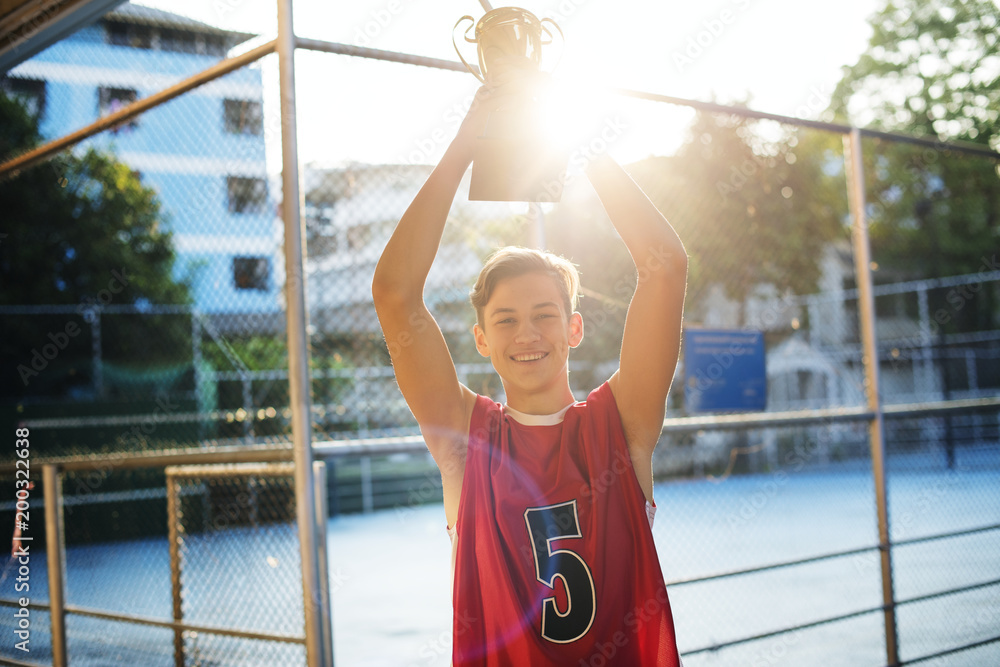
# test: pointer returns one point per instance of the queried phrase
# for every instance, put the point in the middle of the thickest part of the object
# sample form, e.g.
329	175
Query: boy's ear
575	329
481	345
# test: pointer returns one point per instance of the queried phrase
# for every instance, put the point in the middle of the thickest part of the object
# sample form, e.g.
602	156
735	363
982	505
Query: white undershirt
531	420
536	420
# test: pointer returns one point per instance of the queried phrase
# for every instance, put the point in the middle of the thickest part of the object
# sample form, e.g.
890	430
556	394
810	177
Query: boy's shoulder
490	413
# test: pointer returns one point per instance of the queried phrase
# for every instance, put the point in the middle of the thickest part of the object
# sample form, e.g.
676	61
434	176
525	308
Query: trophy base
511	170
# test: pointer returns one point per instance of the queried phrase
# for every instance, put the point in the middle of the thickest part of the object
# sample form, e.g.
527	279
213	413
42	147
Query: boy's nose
526	333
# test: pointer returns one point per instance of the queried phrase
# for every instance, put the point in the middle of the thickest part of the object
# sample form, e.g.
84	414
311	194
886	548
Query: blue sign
724	370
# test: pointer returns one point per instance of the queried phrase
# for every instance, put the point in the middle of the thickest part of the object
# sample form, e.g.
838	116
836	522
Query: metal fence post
95	350
298	343
199	375
322	516
248	419
866	313
173	532
367	496
56	555
536	216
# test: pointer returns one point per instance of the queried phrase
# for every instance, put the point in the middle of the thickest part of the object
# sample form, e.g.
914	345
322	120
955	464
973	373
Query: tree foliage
751	203
74	219
82	230
931	69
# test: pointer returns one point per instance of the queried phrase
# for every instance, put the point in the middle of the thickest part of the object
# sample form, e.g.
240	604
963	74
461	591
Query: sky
784	56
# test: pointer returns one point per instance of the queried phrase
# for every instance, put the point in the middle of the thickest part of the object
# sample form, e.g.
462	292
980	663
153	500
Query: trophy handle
561	35
471	41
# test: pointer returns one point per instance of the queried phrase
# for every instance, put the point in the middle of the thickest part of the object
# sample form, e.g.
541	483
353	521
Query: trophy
513	160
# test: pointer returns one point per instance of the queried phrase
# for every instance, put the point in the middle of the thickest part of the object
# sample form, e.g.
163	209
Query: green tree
81	229
931	69
749	209
754	204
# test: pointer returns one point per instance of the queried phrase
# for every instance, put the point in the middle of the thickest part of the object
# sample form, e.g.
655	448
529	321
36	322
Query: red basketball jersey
554	557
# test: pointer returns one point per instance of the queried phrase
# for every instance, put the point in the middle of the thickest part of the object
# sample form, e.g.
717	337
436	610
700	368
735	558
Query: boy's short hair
514	261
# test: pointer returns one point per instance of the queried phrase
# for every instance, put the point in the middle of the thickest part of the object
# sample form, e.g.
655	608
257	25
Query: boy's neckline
536	420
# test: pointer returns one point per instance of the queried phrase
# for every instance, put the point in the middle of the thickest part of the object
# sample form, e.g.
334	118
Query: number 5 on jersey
558	522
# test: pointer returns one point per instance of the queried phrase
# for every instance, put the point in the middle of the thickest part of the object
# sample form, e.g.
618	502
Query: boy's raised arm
421	361
651	340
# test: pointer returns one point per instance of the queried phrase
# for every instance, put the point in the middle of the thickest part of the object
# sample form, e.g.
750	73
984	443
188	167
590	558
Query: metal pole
298	344
174	546
926	361
367	500
322	516
248	430
866	313
537	219
56	553
199	375
95	348
45	151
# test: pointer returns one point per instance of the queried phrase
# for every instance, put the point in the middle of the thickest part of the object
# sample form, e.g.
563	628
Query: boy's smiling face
527	334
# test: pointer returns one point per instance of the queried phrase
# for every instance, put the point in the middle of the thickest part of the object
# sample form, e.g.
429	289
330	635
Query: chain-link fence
215	513
155	322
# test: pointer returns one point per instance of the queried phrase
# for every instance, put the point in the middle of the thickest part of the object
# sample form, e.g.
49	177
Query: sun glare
566	114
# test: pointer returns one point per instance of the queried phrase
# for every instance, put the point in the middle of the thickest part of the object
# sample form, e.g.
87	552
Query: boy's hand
511	82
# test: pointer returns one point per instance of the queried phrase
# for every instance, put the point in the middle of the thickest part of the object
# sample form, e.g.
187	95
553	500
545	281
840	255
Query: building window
29	93
243	116
180	41
215	45
251	272
126	34
246	195
110	100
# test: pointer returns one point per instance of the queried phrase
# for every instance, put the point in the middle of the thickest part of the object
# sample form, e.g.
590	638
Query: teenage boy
549	501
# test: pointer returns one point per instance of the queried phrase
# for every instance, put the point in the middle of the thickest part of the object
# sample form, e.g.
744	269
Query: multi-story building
351	212
202	152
